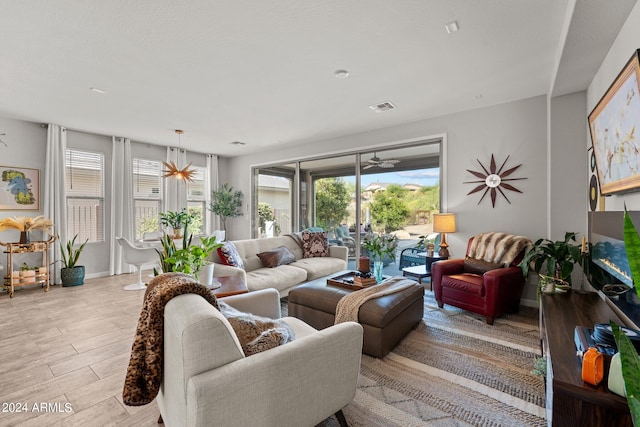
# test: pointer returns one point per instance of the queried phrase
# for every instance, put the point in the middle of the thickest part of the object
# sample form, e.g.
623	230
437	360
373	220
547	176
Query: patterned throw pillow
229	255
279	256
314	244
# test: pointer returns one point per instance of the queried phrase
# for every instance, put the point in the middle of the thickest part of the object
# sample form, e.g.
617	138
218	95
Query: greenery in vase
226	203
69	254
380	245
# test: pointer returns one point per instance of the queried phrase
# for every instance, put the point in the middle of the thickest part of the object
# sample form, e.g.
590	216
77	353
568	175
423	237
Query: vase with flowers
380	246
25	225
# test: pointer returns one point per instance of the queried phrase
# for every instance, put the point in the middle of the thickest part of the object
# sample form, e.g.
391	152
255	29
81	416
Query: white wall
27	144
568	170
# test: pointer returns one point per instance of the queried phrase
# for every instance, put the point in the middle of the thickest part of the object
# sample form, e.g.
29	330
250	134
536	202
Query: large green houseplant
226	203
71	274
557	257
628	355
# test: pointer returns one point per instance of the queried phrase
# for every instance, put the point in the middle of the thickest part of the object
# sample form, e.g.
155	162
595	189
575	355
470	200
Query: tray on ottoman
350	280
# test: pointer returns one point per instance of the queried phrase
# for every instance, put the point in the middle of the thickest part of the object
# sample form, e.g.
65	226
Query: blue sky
420	176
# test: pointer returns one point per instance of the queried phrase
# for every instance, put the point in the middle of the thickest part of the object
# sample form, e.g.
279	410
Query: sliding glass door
392	190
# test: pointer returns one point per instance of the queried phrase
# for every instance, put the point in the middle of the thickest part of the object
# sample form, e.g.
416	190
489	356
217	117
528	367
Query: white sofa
283	277
208	381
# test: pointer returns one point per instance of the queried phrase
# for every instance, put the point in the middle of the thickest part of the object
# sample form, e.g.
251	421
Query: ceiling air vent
385	106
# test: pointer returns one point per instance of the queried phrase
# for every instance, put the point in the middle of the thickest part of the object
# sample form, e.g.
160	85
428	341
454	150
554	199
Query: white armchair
208	381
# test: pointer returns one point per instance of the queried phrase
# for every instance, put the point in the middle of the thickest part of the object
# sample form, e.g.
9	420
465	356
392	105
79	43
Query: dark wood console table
570	401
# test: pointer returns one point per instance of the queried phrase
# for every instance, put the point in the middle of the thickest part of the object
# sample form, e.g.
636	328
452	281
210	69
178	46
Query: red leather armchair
462	283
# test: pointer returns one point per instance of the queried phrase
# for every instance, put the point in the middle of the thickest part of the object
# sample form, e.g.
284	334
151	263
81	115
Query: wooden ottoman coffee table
386	320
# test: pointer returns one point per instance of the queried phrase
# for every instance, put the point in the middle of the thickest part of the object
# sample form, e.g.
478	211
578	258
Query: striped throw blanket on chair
501	248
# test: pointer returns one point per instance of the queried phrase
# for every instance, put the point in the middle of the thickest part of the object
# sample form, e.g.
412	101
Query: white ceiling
262	71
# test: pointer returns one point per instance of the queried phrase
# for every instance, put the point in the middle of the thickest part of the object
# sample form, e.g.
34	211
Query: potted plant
190	259
629	359
71	274
177	220
226	203
380	246
557	257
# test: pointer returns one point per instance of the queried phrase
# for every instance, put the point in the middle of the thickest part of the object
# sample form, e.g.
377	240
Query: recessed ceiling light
341	74
238	143
452	27
95	89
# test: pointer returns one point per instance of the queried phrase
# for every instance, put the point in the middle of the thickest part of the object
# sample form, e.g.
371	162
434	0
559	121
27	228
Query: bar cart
14	278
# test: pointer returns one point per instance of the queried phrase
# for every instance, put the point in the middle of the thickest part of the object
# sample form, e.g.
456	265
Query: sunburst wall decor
493	181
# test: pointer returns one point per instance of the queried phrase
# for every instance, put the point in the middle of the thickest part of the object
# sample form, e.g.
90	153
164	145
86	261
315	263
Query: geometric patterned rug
454	370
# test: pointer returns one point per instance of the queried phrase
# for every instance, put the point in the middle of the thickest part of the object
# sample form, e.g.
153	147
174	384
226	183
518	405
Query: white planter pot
205	276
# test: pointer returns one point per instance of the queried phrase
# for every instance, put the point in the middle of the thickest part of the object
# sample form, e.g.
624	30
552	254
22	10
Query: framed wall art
613	124
19	188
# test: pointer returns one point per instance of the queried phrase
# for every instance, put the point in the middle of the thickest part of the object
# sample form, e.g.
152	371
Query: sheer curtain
175	190
55	198
211	183
122	215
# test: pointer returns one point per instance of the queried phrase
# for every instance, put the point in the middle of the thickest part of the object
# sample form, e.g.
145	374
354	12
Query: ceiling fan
376	161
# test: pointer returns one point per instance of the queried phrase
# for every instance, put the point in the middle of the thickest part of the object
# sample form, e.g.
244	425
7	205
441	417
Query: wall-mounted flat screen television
613	125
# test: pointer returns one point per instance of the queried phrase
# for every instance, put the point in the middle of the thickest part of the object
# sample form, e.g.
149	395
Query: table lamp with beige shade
444	223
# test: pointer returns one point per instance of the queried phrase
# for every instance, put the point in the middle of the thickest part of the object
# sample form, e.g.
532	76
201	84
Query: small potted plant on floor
557	257
71	274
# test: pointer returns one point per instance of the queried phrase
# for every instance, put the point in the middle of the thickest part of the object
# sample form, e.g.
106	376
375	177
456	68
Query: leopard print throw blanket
501	248
349	305
144	374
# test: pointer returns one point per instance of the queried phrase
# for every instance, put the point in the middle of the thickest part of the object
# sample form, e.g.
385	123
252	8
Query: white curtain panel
211	182
55	203
122	216
175	190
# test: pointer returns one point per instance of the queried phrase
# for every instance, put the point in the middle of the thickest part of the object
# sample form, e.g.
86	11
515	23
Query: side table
231	285
422	271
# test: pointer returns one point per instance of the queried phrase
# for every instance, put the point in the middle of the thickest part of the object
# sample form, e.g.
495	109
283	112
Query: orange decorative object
592	366
173	170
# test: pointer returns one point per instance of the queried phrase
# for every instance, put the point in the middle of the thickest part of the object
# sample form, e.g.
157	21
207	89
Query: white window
196	200
85	195
147	195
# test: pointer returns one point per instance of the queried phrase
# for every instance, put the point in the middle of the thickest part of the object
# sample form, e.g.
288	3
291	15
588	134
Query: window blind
85	195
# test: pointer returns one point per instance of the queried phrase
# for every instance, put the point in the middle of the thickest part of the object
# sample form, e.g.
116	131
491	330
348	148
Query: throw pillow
279	256
229	255
479	266
314	244
256	333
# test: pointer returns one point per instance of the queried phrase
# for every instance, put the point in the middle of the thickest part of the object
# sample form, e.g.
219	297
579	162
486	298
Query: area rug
454	370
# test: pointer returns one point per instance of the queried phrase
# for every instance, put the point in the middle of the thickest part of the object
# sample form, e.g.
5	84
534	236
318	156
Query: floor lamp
444	223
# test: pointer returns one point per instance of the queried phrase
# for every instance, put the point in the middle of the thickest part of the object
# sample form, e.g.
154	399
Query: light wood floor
68	350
